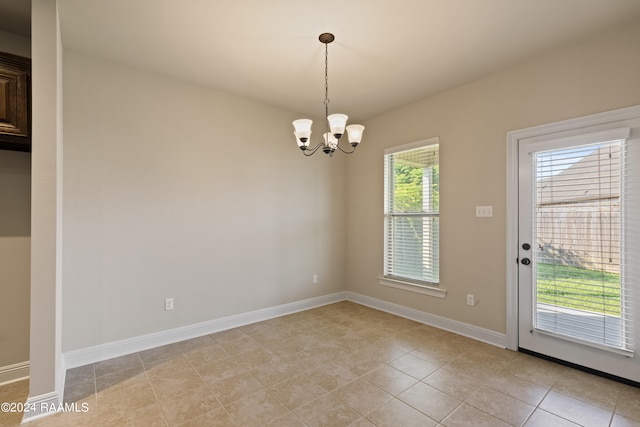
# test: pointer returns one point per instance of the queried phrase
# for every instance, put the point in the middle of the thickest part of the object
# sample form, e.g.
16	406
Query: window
411	213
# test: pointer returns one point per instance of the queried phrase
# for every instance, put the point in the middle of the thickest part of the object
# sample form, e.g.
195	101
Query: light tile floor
338	365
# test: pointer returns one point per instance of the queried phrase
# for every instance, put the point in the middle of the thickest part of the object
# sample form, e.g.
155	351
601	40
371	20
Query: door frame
577	125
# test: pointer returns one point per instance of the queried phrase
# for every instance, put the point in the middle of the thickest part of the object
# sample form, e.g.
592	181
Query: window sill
432	291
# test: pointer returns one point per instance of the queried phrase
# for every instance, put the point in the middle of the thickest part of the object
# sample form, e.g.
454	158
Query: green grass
579	288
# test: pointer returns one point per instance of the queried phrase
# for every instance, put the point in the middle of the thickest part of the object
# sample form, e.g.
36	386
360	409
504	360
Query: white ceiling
387	53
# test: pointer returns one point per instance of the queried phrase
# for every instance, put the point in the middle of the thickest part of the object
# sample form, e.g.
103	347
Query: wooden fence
580	234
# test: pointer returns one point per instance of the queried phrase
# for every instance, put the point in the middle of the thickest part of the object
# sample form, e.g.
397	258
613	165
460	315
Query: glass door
576	205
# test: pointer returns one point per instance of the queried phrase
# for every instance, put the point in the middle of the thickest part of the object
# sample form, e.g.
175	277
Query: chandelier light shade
335	124
303	132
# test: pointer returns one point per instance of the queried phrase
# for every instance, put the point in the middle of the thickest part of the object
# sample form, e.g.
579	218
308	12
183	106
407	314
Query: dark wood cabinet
15	102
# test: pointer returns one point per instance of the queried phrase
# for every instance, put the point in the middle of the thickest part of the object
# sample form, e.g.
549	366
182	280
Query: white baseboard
81	357
41	406
471	331
13	373
85	356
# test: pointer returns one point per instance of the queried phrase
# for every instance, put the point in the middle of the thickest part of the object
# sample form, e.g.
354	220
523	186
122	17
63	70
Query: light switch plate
484	211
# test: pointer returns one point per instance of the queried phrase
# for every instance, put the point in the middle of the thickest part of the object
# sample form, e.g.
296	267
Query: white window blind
581	287
412	224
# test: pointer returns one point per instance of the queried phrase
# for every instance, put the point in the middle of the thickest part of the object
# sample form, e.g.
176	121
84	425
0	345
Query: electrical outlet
315	279
471	299
168	304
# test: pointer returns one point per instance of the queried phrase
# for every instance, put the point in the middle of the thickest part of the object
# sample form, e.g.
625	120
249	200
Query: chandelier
335	124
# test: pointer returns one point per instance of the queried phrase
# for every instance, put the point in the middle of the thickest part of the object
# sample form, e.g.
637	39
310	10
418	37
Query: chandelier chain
326	73
326	86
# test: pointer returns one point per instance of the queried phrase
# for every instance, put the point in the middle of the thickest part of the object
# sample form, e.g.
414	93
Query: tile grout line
146	373
207	384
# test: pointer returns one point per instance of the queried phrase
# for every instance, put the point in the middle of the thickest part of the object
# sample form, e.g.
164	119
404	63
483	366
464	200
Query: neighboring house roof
592	178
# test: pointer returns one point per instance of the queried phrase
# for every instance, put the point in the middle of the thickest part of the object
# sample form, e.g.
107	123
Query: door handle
525	261
526	246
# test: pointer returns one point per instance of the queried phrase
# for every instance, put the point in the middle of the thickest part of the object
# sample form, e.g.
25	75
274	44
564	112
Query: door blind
580	287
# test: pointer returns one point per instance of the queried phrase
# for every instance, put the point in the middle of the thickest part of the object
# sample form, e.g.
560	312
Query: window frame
405	283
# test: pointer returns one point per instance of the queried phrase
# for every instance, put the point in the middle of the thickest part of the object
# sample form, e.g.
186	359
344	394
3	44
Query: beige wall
176	190
15	44
472	122
15	231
